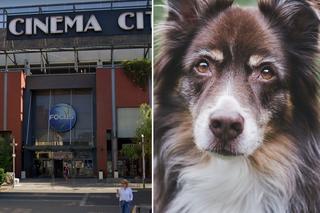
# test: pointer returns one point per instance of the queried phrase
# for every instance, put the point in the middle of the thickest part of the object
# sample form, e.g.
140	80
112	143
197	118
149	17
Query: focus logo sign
62	117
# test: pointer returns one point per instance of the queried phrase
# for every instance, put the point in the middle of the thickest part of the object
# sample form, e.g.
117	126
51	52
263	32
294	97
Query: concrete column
150	90
5	100
114	154
114	116
5	95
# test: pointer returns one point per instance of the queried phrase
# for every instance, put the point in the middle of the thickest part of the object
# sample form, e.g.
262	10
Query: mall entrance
61	129
50	164
58	168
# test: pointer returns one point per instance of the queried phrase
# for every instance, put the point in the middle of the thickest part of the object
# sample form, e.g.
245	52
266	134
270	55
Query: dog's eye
267	73
202	67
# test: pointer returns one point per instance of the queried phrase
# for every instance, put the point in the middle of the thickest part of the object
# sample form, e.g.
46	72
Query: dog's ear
190	11
315	3
316	6
297	24
184	16
295	20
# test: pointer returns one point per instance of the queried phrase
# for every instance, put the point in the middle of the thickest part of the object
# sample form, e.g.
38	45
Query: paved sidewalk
86	185
5	188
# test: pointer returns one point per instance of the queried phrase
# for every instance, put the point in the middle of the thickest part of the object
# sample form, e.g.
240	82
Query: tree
145	128
2	176
139	71
133	151
5	153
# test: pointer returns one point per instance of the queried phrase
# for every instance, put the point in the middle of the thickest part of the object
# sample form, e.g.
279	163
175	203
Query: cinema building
64	96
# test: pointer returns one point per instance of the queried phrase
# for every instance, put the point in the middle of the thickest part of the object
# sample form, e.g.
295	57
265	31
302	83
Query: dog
236	123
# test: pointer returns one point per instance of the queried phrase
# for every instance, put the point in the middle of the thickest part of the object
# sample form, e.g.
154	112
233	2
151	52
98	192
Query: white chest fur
228	185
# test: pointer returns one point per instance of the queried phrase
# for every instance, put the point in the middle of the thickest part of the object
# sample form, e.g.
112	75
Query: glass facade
127	123
56	149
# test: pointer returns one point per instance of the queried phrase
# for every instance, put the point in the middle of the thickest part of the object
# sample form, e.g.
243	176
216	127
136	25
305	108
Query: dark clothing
66	172
125	206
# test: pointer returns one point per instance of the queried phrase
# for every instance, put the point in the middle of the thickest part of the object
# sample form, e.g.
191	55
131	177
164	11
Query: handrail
78	3
74	7
89	66
138	208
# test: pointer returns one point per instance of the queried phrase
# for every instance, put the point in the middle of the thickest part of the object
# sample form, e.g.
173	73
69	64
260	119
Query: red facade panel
127	94
16	84
1	100
104	115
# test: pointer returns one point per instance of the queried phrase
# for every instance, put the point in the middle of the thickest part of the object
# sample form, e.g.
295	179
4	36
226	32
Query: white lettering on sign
31	26
122	21
42	26
54	20
69	23
28	26
139	20
13	26
59	24
60	117
93	24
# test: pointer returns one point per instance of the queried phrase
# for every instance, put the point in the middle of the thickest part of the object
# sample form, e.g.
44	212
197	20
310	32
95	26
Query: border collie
236	108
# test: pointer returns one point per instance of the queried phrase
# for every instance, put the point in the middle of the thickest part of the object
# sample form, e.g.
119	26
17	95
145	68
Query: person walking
66	172
125	196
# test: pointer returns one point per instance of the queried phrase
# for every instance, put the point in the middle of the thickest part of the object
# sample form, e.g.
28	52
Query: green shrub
138	71
2	176
5	153
9	178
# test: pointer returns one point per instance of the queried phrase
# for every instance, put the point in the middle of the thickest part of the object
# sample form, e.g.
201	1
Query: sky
11	3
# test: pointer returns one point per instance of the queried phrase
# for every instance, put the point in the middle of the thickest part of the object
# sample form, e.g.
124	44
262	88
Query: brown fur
288	30
277	149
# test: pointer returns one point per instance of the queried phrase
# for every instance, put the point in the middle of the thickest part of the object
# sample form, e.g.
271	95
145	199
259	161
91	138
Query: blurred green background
159	12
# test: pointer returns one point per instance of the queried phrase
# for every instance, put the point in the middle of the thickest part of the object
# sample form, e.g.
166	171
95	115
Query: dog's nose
226	125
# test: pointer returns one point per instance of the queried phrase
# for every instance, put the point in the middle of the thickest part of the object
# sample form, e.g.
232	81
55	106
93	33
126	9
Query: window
127	122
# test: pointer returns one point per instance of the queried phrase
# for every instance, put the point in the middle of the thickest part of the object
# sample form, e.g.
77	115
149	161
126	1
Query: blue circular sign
62	117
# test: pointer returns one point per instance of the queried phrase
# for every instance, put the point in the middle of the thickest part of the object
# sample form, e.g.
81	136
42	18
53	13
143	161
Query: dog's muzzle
226	127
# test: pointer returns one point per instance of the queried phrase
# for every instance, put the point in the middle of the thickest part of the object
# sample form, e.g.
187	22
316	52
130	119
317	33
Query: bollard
100	175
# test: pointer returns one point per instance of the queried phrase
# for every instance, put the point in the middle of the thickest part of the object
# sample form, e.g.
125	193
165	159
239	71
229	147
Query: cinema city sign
114	22
32	25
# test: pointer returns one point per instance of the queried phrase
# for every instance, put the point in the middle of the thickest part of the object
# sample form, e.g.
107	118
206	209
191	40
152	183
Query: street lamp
13	144
143	162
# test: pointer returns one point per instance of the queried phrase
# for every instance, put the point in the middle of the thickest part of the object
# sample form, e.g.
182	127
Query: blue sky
12	3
